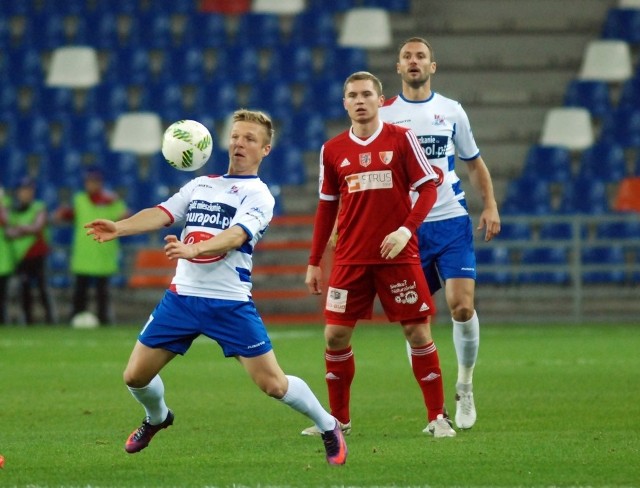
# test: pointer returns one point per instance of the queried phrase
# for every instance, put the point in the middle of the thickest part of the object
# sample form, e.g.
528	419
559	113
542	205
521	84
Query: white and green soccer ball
187	145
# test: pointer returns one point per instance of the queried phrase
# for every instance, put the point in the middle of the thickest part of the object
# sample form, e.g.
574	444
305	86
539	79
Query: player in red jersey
366	173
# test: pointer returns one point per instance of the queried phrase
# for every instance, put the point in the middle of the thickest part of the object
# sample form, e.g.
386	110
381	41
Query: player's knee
462	312
134	381
274	388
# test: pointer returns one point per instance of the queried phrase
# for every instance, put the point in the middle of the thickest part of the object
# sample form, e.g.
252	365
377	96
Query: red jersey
372	179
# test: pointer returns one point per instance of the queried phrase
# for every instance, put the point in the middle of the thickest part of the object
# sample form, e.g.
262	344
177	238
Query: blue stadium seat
622	23
340	62
204	30
100	29
284	166
291	63
526	195
65	7
618	230
604	255
55	102
217	99
515	231
30	132
622	126
333	6
391	5
548	163
43	31
275	98
240	64
306	130
8	98
604	161
184	65
313	27
561	231
325	95
108	100
129	65
12	166
26	61
85	133
259	30
175	6
151	29
164	98
630	93
547	262
594	95
584	196
492	256
58	264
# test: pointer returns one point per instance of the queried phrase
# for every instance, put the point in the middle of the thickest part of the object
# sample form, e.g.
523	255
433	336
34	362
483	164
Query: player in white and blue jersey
224	217
446	236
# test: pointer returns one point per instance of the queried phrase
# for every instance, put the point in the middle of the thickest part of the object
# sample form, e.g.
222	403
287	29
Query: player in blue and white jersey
224	217
446	236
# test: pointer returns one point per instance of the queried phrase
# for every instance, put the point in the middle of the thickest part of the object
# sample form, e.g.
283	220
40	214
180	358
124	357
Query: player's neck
422	92
366	129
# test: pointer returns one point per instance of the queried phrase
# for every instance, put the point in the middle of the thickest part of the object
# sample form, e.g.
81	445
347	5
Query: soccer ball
187	145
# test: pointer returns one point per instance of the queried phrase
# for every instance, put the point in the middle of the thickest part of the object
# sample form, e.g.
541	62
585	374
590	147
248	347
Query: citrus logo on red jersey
371	180
198	236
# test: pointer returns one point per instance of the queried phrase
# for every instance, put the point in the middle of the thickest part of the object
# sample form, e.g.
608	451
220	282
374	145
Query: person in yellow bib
6	258
93	264
28	233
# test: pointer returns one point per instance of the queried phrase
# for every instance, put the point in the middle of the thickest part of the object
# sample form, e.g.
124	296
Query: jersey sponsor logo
435	147
386	156
233	190
438	119
371	180
198	236
337	300
405	293
365	159
345	162
210	214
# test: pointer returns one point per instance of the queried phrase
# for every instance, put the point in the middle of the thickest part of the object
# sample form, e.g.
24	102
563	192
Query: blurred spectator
27	231
91	263
6	258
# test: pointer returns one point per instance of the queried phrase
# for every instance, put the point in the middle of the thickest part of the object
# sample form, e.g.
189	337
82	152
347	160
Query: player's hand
314	280
175	249
394	243
490	221
102	230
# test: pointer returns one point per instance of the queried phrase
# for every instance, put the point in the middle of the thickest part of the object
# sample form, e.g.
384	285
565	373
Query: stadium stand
184	59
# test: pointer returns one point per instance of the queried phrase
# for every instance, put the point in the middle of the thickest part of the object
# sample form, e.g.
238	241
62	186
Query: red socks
426	368
341	369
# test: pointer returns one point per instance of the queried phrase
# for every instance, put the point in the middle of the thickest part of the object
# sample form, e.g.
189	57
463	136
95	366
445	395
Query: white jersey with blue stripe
443	128
208	205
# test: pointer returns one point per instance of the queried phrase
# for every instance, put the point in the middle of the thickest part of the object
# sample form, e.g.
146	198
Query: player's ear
380	100
266	150
433	67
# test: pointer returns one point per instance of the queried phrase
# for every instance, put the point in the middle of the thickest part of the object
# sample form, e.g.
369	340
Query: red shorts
402	289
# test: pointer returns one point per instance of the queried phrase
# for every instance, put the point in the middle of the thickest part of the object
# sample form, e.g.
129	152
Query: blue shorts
178	319
446	250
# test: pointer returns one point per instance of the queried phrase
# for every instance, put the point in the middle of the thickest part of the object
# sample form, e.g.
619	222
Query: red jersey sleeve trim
168	213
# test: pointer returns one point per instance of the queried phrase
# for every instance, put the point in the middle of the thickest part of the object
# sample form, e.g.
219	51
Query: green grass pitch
557	406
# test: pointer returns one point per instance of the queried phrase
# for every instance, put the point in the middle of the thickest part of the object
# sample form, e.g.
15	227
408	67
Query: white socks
466	340
300	397
151	397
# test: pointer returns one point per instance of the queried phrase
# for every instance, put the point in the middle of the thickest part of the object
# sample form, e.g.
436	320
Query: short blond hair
363	75
257	117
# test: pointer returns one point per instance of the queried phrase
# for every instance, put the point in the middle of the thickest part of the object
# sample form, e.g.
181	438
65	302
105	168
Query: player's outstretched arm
145	220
